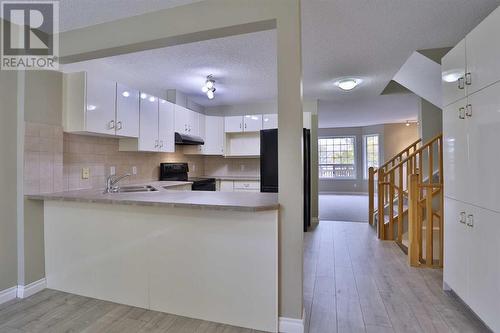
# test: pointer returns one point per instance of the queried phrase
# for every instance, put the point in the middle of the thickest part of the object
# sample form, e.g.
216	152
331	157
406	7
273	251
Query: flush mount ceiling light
348	84
209	87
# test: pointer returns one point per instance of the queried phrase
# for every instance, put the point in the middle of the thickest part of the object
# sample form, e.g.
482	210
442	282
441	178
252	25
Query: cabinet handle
463	217
461	84
245	125
111	124
468	79
461	113
161	144
119	126
468	110
156	144
240	125
470	220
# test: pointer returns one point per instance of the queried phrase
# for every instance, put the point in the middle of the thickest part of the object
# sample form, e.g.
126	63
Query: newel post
371	194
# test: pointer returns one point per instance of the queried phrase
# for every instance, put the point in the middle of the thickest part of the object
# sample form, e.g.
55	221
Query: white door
453	67
148	136
455	151
483	52
127	111
456	247
269	121
100	108
484	265
253	123
181	119
166	126
233	124
214	136
483	133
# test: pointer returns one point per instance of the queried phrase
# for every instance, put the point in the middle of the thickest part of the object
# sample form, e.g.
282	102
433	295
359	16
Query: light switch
85	173
112	170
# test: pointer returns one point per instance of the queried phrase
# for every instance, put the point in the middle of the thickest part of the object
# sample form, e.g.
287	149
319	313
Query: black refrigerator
269	167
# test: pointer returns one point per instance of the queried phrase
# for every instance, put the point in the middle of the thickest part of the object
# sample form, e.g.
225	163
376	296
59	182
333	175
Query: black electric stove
179	172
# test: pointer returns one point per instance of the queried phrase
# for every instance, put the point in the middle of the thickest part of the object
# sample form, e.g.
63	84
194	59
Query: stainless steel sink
137	188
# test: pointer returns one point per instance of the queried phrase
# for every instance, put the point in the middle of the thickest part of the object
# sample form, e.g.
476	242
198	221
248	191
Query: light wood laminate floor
353	283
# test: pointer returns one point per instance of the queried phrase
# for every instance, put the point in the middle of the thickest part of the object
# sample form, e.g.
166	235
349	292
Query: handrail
398	155
410	199
419	150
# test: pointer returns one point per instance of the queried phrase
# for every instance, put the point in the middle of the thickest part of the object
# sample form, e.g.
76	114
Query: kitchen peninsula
206	255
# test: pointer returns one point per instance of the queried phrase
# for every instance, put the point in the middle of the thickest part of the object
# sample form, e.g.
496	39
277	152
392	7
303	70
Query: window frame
365	152
355	157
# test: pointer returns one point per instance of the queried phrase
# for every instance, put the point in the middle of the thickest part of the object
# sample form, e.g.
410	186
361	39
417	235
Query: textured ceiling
370	39
82	13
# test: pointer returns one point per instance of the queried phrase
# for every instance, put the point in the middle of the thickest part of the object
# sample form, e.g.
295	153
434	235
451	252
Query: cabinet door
233	124
484	136
456	151
456	248
100	108
484	265
483	52
226	186
181	119
127	111
148	134
193	123
269	121
253	123
214	136
453	74
166	126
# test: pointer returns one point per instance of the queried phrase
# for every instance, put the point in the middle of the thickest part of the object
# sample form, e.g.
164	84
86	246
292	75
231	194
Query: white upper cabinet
100	105
483	53
166	126
233	124
483	136
252	123
455	151
187	121
88	104
453	68
214	136
127	111
270	121
148	136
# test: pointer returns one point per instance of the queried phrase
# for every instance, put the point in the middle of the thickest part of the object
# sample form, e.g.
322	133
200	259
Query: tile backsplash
54	161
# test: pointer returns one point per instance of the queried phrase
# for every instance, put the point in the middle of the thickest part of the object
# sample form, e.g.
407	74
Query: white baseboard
31	289
292	325
8	295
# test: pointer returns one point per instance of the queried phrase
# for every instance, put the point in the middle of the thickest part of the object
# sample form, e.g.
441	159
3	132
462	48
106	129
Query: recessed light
347	84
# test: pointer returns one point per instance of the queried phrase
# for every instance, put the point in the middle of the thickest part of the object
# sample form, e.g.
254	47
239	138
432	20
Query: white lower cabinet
472	262
239	186
226	186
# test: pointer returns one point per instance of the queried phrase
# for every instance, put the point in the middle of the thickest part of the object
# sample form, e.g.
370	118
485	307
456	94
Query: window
372	155
337	157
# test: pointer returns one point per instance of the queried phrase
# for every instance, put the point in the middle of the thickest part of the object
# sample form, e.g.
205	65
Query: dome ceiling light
209	87
348	84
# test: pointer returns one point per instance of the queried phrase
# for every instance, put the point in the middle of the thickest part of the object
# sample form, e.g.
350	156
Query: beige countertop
257	178
238	201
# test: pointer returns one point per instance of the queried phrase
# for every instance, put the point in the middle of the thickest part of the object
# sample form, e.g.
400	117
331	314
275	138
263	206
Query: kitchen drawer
246	185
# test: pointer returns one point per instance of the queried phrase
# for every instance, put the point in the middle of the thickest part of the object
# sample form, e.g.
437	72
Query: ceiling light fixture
348	84
209	87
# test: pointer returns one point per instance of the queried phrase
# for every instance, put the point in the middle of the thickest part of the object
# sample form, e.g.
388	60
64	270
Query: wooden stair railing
412	187
373	172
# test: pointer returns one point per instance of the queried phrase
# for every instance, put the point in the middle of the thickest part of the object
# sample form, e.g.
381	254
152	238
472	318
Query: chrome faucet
111	181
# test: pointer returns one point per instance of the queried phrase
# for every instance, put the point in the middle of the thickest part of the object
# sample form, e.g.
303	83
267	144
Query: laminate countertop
169	197
248	178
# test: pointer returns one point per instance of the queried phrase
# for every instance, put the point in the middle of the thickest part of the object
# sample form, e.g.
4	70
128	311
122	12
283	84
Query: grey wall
358	185
8	179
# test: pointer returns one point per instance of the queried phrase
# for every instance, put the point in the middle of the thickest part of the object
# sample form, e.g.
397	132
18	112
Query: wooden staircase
407	192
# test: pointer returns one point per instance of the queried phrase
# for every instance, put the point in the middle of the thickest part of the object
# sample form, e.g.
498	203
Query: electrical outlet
112	171
194	167
85	173
134	170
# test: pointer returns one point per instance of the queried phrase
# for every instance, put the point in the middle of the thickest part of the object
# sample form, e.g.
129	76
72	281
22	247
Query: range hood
188	140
